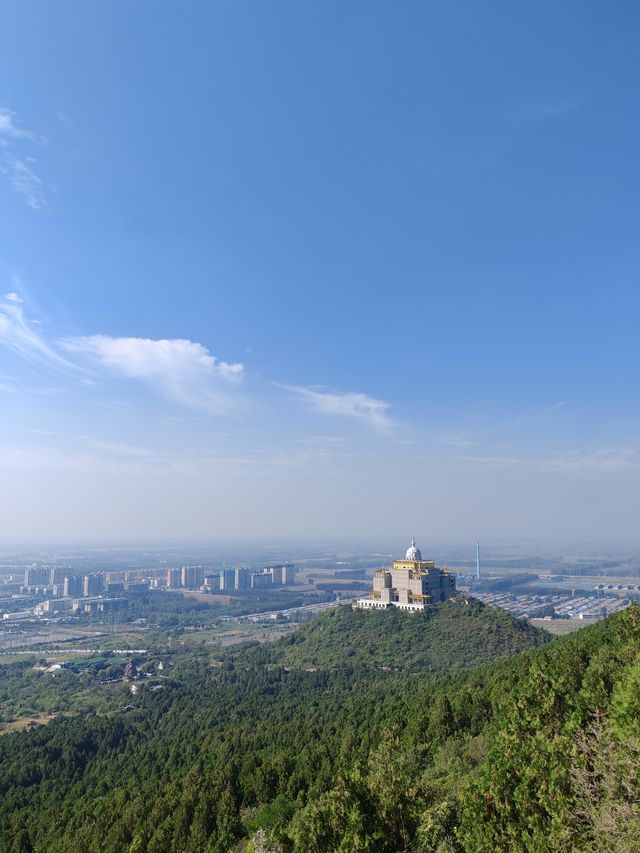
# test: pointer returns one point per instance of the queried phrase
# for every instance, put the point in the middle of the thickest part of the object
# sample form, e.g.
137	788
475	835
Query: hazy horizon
307	547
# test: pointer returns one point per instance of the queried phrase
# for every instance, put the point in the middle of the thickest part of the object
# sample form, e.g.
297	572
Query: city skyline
330	271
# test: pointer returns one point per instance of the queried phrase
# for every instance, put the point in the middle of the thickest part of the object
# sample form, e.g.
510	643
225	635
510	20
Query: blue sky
318	269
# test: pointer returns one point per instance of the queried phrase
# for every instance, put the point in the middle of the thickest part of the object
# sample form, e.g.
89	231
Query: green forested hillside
536	753
457	635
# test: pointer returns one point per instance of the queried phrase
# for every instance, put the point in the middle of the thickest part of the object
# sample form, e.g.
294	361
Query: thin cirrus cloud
349	404
25	181
18	335
457	441
18	166
548	110
605	459
9	127
181	371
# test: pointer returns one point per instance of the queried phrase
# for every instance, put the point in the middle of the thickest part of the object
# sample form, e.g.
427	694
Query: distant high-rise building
192	577
281	573
410	584
276	574
92	584
57	575
227	579
174	578
36	576
115	577
72	586
241	579
260	579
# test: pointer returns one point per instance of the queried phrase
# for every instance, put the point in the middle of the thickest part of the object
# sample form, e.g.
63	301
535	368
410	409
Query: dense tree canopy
304	746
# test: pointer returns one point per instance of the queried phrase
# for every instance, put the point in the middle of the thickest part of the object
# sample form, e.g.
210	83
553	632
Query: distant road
306	608
67	651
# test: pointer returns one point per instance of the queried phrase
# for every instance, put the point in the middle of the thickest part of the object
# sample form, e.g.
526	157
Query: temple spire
413	552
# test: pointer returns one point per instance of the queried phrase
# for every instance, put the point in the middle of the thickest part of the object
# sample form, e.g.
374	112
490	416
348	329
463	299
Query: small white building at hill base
410	584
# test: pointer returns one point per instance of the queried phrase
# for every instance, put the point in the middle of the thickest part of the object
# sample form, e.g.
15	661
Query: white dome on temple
413	552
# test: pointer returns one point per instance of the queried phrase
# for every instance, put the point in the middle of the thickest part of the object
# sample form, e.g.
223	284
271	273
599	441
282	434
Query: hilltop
453	636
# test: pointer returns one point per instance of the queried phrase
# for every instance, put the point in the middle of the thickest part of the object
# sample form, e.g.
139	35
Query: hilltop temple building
410	584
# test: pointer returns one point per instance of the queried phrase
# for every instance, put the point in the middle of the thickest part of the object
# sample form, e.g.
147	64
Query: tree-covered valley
462	730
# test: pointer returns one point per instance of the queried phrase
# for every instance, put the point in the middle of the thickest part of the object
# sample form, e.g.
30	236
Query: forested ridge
304	746
457	635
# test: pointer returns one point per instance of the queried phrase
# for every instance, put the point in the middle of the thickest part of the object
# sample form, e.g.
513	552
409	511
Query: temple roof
413	552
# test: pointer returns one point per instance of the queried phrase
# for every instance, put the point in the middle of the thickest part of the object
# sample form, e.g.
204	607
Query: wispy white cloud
25	181
18	334
605	459
538	413
47	391
548	109
119	449
181	371
64	118
601	459
25	458
18	166
456	441
10	127
349	404
93	456
322	440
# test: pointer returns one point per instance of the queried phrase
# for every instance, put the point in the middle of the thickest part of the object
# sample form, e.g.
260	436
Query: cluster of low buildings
62	583
93	592
187	577
227	580
584	607
281	574
99	592
88	606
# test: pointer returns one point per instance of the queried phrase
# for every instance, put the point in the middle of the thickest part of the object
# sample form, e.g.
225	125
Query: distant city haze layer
571	558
